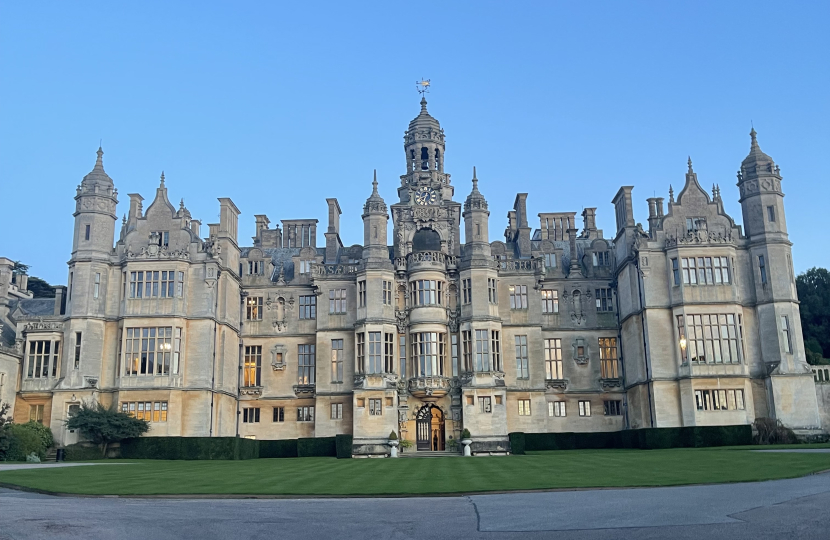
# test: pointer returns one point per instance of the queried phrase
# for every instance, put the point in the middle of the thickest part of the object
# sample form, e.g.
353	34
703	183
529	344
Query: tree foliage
814	294
104	425
40	288
5	436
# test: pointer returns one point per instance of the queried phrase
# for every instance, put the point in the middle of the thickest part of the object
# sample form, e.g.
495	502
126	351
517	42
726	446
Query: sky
280	105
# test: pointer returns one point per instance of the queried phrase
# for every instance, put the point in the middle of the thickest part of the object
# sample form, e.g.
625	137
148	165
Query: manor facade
693	320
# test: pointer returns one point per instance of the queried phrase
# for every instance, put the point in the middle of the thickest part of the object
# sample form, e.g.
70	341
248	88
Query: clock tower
425	193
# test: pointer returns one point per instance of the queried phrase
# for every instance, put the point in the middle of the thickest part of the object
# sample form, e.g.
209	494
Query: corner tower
790	386
95	217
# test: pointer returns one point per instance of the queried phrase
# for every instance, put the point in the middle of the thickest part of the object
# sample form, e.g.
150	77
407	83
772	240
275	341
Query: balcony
427	260
429	388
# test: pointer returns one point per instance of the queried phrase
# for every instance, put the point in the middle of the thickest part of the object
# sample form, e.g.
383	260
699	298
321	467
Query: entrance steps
51	454
428	454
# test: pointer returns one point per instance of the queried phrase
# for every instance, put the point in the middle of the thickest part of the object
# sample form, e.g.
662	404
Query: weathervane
422	86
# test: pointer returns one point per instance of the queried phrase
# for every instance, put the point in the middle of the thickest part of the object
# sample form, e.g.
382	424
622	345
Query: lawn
329	476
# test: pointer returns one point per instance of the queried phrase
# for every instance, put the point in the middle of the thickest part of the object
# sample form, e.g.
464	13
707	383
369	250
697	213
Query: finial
690	165
181	204
714	192
162	179
99	162
754	136
124	219
375	182
475	179
671	194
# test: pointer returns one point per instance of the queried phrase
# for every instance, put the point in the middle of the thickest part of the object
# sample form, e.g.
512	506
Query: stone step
51	454
428	454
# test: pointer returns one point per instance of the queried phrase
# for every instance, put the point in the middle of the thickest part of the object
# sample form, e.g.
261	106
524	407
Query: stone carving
402	320
319	270
560	384
251	391
41	325
610	383
701	237
279	357
453	319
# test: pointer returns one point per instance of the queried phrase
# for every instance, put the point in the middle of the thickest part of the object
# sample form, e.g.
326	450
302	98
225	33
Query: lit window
553	359
253	308
337	360
584	408
524	407
556	408
252	369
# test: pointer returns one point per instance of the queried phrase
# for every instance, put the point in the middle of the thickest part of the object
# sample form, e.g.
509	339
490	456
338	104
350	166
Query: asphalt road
795	508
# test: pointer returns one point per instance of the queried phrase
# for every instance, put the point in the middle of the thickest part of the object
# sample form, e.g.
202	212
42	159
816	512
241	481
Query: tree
104	425
40	288
814	294
5	436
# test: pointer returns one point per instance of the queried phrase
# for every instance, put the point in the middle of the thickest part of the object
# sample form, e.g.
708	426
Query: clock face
425	195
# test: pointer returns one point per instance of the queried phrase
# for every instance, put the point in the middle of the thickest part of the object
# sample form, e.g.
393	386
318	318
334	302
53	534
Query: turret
762	201
375	219
476	231
95	216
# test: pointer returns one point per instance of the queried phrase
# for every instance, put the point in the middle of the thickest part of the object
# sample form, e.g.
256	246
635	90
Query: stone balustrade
429	387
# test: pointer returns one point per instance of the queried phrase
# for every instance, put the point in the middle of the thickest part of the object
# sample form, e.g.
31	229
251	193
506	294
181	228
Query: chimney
60	300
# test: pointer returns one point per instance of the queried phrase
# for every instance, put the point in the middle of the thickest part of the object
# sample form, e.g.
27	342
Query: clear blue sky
279	105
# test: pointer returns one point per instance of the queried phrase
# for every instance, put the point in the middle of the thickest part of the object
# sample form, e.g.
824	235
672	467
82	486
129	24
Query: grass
329	476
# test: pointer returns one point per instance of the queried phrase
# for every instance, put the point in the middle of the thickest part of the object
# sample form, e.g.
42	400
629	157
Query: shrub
343	444
517	442
23	442
466	434
772	431
317	447
5	437
393	436
41	431
190	448
284	448
81	452
104	425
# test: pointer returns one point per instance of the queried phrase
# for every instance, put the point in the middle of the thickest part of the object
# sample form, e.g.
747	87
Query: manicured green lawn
329	476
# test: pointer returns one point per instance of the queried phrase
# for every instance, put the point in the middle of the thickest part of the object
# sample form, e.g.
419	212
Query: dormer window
695	224
305	267
161	238
256	268
601	258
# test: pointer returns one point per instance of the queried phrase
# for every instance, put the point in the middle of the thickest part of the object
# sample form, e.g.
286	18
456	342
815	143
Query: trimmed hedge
285	448
343	446
317	447
517	442
190	448
82	452
643	439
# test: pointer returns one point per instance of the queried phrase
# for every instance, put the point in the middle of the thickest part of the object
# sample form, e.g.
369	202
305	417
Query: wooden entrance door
430	428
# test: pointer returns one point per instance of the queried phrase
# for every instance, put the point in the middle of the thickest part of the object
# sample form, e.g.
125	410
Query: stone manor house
693	320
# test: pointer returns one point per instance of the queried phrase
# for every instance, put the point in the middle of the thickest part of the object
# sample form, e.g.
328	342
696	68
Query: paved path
18	466
779	509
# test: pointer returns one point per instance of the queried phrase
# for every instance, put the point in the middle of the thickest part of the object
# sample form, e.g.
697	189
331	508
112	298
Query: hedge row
643	439
190	448
343	445
226	448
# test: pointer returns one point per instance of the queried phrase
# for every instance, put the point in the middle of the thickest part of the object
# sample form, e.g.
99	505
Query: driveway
778	509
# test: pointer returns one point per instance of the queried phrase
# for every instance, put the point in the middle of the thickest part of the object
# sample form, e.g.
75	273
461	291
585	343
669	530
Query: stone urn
467	443
393	447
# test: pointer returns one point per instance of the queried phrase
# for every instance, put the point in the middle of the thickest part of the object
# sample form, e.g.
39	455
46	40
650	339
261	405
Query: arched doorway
430	428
